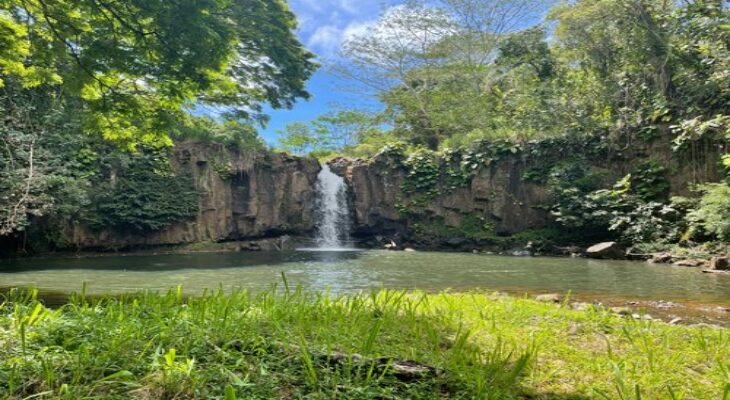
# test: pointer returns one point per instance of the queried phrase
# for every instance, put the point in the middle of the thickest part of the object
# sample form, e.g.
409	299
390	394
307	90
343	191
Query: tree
37	177
341	132
128	72
298	138
430	62
137	64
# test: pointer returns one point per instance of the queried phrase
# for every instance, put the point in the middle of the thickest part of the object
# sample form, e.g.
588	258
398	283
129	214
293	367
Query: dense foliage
713	212
465	83
92	92
454	72
144	194
136	64
349	132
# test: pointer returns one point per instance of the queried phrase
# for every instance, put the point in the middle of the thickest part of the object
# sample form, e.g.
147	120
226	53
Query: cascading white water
332	212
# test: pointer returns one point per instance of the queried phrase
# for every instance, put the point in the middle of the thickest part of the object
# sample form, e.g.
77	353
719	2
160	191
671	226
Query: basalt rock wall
243	195
247	195
498	191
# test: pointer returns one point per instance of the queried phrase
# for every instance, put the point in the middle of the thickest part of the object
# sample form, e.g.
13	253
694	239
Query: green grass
290	344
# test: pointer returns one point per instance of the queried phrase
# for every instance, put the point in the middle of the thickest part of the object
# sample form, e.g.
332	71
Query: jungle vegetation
464	82
93	89
93	94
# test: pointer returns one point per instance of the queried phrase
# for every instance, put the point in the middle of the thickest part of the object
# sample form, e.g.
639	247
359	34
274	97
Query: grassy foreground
294	344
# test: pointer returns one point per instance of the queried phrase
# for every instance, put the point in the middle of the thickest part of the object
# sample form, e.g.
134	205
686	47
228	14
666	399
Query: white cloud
352	6
326	38
326	24
356	28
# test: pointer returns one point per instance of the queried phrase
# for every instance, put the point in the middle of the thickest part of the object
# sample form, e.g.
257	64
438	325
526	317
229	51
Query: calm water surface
343	272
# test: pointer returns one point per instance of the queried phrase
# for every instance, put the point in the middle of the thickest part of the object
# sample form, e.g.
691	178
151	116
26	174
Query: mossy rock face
204	193
515	187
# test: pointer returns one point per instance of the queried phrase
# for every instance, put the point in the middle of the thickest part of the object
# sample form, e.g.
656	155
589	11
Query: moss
147	195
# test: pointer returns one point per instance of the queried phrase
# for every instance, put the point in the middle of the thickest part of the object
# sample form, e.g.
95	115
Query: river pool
349	271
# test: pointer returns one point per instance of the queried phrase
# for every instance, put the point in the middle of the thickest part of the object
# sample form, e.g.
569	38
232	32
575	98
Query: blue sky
323	24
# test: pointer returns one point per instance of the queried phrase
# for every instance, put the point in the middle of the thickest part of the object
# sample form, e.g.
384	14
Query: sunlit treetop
137	64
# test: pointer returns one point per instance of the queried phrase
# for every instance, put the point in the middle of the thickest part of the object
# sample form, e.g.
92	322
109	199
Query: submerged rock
690	263
580	306
573	251
642	317
521	253
664	304
606	250
624	311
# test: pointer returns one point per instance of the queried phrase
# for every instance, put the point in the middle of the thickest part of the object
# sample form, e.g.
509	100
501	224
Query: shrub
618	210
649	182
713	212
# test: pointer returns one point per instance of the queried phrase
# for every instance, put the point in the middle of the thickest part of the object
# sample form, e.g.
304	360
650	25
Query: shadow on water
53	297
172	262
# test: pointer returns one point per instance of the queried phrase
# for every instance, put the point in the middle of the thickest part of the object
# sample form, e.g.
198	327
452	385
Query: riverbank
691	313
387	344
699	256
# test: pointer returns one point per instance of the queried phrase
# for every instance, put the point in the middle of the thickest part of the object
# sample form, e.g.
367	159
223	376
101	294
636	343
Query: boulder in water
720	263
549	298
690	263
661	258
605	250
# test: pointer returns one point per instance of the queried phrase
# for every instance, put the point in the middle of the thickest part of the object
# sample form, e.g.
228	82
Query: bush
618	210
648	181
713	212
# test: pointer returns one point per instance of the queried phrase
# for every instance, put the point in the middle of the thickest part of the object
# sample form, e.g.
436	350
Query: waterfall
332	212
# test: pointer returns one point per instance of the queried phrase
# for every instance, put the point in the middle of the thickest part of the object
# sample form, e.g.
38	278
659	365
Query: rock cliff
498	193
242	195
258	195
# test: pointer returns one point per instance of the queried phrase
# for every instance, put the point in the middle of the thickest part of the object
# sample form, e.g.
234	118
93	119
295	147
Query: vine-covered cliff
241	195
500	189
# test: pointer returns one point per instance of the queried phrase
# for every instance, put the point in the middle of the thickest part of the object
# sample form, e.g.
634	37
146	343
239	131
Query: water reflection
353	271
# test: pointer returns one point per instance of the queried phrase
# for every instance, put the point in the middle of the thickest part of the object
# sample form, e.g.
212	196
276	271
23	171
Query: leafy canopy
136	65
